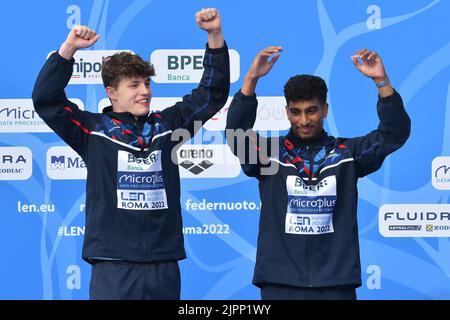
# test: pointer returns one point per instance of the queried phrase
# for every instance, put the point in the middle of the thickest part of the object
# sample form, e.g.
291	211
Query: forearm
242	111
249	85
215	81
215	39
210	95
66	51
394	121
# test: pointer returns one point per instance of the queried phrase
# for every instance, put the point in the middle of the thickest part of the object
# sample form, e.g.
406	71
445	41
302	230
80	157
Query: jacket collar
126	117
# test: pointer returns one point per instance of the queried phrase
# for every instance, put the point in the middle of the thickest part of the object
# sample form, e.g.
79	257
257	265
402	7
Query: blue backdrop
42	182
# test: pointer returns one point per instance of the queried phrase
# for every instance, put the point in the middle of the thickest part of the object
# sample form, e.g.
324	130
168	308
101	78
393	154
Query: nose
303	119
145	89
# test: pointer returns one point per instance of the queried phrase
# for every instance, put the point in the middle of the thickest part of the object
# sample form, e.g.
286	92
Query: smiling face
132	94
306	97
306	117
126	78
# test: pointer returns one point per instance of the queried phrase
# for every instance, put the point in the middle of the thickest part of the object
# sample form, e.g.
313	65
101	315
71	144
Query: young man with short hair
308	244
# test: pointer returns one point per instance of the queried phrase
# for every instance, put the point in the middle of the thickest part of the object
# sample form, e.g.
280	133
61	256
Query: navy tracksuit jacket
133	210
308	231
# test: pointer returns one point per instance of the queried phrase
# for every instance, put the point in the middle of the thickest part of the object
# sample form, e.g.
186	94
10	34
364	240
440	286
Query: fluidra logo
414	220
196	155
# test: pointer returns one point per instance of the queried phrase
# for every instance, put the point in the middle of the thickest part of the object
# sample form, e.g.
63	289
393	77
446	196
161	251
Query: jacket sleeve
393	130
52	105
252	150
208	98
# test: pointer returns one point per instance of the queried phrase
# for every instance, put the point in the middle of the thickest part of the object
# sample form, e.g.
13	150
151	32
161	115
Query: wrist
382	82
251	77
215	39
215	32
67	51
380	79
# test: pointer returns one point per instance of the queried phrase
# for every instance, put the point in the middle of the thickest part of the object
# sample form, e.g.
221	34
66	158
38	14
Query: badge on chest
310	207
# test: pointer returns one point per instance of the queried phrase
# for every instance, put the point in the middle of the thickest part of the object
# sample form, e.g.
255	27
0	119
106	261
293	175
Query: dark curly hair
305	87
124	65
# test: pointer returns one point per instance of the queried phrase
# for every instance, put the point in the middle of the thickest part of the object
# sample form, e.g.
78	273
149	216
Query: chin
307	136
142	113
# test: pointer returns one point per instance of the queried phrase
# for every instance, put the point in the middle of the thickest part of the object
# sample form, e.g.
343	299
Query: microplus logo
88	65
186	66
16	163
63	163
440	173
18	116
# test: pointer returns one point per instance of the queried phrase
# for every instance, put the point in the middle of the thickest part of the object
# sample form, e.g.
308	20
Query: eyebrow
138	81
306	109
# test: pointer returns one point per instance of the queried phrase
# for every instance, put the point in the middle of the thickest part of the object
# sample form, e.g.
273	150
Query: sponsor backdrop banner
404	211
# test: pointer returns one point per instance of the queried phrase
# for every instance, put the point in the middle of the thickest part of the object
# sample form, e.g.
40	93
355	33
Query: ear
287	109
325	110
111	93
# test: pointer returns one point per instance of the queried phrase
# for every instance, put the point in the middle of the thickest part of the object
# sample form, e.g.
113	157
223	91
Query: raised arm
213	90
394	126
252	150
210	21
49	98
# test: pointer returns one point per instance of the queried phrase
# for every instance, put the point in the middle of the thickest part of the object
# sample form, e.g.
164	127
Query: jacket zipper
308	240
311	165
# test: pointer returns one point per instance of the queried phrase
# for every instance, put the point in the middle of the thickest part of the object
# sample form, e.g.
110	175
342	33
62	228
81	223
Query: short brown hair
124	65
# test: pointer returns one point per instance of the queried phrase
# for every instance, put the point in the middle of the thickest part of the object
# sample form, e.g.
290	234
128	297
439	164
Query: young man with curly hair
133	235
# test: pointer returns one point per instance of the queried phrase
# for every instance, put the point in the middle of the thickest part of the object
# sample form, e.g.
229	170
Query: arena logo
18	116
88	65
16	163
186	66
207	161
63	163
196	154
414	220
440	171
